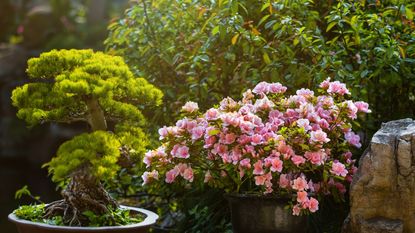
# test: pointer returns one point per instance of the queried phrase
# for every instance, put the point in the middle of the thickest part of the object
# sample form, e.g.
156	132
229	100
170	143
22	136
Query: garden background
203	51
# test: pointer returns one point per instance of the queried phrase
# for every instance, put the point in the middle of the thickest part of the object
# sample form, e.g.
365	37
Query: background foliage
203	50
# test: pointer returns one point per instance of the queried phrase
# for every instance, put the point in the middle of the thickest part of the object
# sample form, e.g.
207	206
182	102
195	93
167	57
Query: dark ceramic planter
263	214
25	226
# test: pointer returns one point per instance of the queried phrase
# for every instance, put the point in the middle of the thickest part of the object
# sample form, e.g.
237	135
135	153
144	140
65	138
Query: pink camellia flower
362	107
190	107
212	114
313	205
296	210
180	151
338	169
149	176
188	174
297	160
300	184
302	197
284	181
197	132
316	157
319	136
353	139
171	175
258	169
337	87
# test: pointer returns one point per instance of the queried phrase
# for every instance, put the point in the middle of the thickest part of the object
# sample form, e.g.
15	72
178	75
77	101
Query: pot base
259	214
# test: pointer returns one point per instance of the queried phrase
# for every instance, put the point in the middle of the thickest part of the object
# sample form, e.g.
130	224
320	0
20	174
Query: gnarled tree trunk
83	193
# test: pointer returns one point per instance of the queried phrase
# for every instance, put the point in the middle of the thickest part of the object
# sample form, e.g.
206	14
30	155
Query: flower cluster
296	145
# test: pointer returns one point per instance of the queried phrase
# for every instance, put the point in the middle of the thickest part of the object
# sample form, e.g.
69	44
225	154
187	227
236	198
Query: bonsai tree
91	87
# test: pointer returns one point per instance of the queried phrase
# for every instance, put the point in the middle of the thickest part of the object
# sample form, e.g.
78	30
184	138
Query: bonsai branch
96	116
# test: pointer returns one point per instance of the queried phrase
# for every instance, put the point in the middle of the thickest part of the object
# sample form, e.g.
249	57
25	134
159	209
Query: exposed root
83	193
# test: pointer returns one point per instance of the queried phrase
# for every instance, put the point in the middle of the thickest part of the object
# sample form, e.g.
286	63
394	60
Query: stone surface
382	194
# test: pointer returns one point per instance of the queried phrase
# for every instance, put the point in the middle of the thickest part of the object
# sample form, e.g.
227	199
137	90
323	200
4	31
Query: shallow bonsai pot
25	226
265	214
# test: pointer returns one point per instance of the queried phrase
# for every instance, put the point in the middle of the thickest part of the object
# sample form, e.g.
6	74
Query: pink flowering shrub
269	142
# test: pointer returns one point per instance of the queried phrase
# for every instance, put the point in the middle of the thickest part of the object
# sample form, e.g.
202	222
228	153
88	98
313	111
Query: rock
382	194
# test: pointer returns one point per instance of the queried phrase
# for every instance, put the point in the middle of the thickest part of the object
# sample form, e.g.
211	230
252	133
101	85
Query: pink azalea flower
362	107
296	210
302	197
300	184
307	93
258	169
352	109
316	158
246	163
212	114
149	176
171	175
276	165
261	88
297	160
256	139
339	169
325	84
180	151
229	138
319	136
337	87
284	181
304	123
188	174
353	139
190	107
260	180
276	88
208	177
313	205
163	132
197	132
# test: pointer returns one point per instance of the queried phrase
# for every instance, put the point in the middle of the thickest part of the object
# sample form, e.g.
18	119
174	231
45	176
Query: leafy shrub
205	50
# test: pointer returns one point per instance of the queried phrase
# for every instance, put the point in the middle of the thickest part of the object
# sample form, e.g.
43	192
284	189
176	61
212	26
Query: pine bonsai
99	89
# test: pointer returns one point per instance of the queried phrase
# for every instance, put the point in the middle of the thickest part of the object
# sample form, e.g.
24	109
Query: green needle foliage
99	89
99	149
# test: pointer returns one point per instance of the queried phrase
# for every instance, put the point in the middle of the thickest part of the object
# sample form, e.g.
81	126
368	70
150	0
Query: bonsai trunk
83	193
96	115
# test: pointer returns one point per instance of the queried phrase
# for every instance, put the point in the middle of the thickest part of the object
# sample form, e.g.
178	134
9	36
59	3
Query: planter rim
150	219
